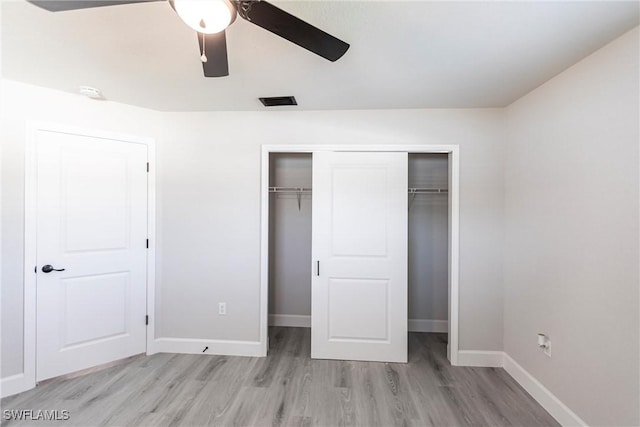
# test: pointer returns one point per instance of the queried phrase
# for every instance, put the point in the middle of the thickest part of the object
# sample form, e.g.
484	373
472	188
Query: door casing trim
453	152
28	378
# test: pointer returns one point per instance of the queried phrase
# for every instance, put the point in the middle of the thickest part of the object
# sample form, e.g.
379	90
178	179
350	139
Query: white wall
571	251
209	209
18	103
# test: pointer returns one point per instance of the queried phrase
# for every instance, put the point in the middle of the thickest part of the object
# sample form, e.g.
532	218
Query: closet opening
428	247
292	260
290	176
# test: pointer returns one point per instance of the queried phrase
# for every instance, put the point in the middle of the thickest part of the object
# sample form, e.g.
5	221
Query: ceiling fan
210	18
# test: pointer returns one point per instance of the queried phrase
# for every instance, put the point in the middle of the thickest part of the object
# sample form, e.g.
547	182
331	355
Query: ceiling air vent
277	101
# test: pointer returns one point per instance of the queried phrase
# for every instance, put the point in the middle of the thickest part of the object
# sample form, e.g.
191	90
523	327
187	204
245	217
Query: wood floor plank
288	388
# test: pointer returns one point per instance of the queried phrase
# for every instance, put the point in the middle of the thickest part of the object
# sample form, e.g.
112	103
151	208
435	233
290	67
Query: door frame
453	152
30	234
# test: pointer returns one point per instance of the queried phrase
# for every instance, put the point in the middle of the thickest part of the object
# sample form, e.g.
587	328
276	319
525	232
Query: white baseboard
479	358
541	394
546	399
301	321
290	320
15	384
428	325
217	347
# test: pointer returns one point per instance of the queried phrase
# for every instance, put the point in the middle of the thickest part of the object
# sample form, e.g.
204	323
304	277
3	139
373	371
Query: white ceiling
414	54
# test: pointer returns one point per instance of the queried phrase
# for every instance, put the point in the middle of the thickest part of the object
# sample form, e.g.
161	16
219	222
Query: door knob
49	268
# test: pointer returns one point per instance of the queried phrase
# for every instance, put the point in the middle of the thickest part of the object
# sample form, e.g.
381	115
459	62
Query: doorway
447	157
89	249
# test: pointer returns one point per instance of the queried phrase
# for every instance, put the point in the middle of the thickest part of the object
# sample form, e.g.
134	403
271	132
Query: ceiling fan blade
62	5
215	49
295	30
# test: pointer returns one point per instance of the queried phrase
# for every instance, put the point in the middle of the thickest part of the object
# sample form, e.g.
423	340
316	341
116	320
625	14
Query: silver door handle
317	268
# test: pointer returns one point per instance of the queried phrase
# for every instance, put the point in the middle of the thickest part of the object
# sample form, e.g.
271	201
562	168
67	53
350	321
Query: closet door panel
356	212
359	233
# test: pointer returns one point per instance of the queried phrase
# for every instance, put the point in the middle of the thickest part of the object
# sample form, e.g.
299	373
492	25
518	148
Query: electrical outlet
547	348
222	309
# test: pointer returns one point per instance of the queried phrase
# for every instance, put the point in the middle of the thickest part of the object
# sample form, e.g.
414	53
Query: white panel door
359	287
92	225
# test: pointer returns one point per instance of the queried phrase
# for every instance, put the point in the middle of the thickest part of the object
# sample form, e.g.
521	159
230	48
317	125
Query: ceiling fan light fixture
206	16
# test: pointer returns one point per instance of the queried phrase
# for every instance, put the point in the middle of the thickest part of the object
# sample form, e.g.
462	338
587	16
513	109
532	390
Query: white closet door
92	228
359	292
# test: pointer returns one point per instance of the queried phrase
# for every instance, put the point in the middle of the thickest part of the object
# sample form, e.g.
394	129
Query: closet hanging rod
428	190
289	190
308	190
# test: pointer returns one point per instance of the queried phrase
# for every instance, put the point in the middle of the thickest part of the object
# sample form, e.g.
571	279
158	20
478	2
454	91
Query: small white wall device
542	341
545	343
90	92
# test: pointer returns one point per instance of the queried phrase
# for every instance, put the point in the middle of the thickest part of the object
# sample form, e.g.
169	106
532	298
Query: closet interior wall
428	244
290	241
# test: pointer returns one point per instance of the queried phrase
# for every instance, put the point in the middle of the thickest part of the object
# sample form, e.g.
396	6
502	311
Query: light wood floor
289	388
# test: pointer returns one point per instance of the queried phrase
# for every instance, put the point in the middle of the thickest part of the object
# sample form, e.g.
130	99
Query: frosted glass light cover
205	16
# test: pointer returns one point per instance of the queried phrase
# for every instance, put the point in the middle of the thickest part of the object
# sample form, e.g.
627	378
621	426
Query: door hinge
147	166
147	243
146	319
